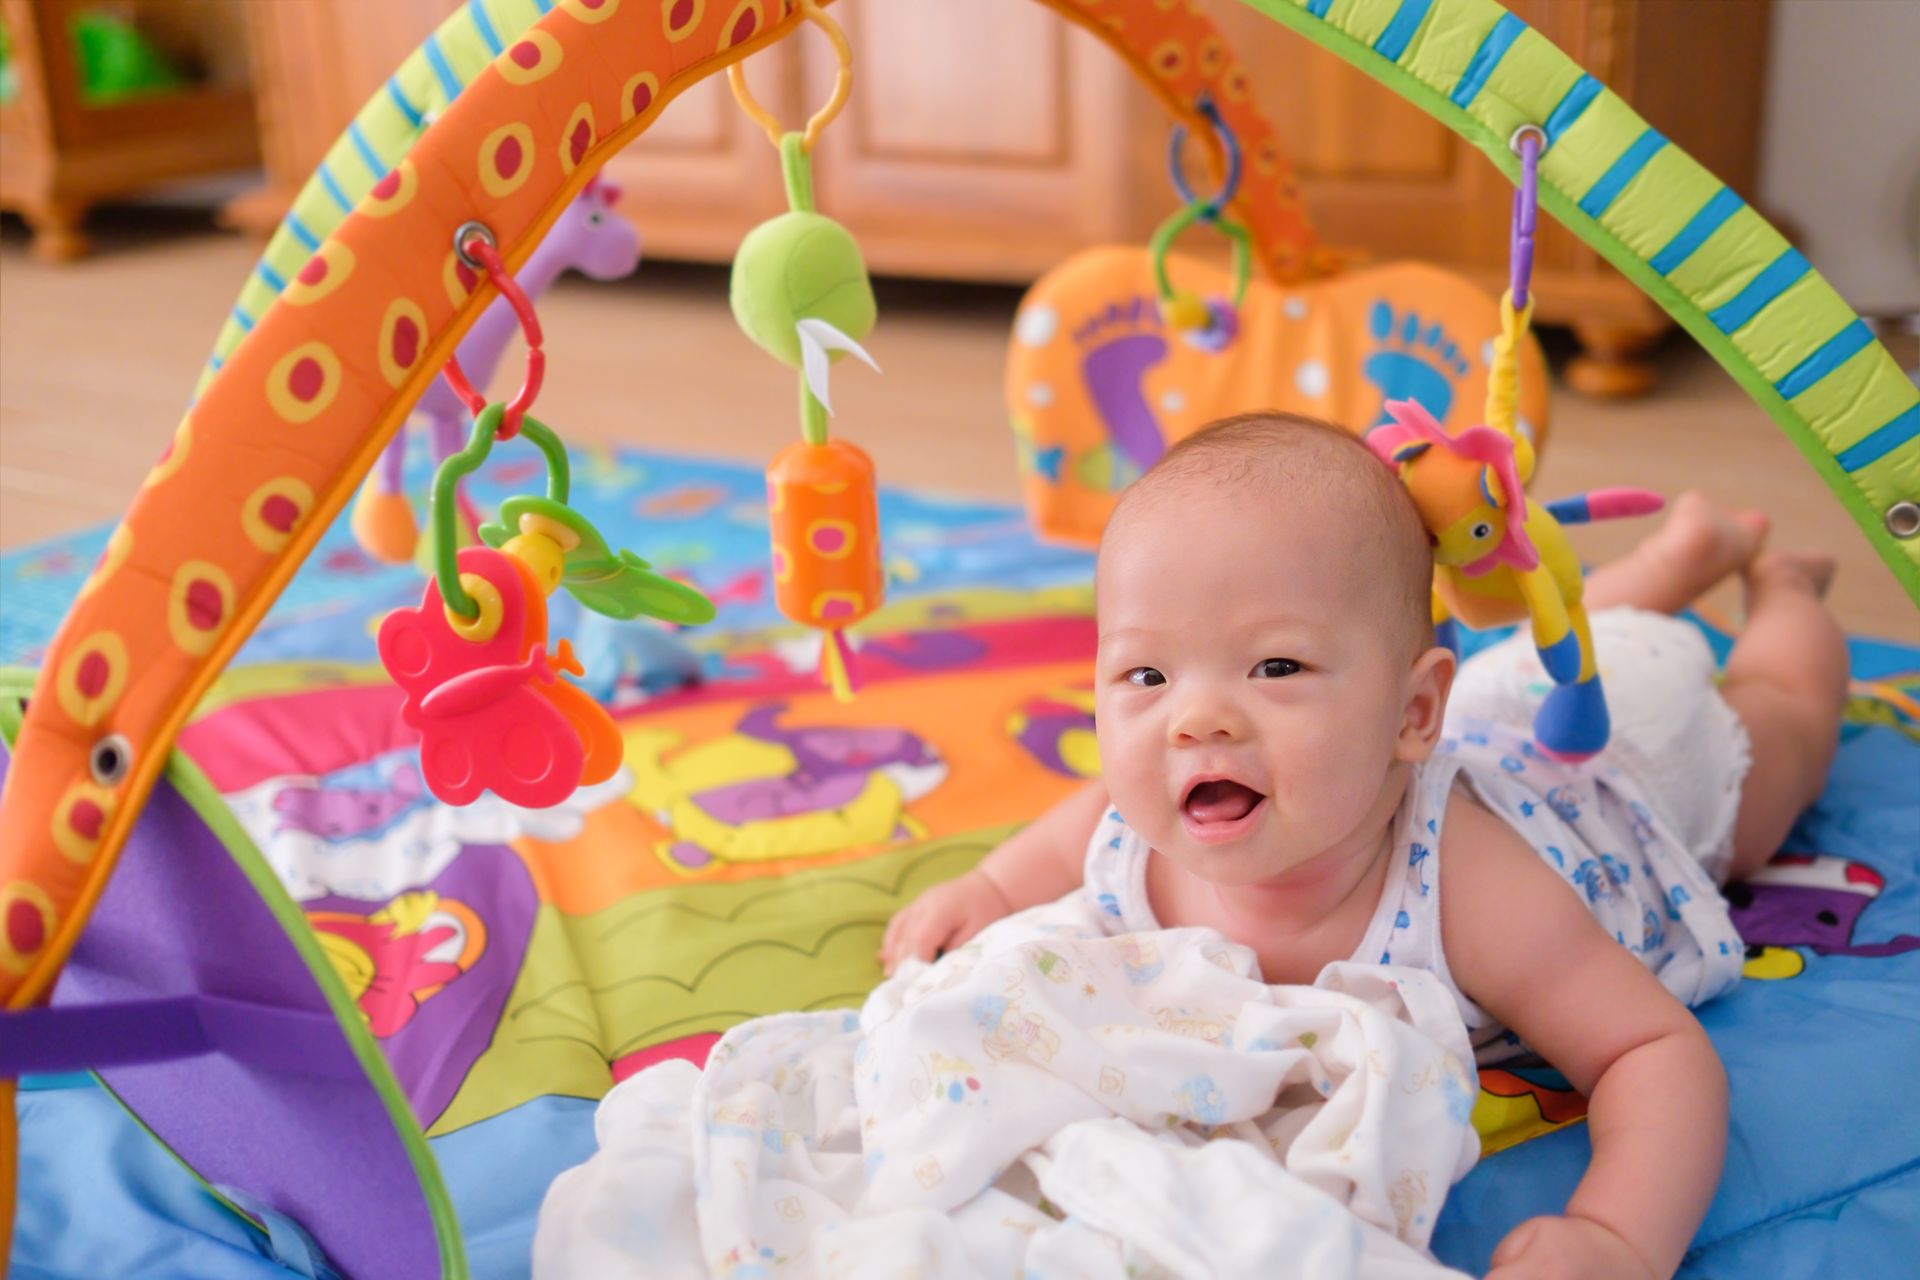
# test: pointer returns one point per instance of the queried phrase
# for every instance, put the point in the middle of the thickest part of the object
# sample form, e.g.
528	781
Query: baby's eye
1275	668
1145	677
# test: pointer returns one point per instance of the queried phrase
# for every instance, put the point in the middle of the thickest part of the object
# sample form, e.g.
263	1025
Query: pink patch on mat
693	1048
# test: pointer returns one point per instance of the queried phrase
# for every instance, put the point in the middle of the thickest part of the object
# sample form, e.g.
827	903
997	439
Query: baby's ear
1428	682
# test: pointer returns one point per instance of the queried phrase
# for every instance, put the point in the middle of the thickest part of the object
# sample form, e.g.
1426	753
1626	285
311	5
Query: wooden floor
97	358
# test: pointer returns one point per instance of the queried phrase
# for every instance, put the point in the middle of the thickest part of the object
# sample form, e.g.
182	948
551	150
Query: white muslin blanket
1046	1101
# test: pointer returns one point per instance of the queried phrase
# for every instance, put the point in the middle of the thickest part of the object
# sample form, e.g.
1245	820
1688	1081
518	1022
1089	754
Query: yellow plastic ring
842	83
483	626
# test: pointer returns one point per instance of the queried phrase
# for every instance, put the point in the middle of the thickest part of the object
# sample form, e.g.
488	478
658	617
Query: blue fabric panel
1574	105
1399	33
442	69
368	156
1882	442
1690	237
413	114
1486	58
1605	191
477	10
302	234
1774	279
1833	353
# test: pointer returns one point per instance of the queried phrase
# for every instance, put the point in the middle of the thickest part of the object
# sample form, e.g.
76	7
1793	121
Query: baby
1290	760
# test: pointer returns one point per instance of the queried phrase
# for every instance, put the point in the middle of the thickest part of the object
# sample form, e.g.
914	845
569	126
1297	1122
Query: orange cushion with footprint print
1097	387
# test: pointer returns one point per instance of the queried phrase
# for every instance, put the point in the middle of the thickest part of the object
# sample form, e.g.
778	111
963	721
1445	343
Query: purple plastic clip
1223	326
1526	142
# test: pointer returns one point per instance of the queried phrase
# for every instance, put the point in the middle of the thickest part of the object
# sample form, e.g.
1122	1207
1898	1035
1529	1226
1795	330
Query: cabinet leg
57	236
1612	362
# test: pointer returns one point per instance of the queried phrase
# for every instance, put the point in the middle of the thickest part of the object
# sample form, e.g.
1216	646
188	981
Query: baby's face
1251	683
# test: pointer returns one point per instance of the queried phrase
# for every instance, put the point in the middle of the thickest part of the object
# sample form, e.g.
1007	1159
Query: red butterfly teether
485	694
481	688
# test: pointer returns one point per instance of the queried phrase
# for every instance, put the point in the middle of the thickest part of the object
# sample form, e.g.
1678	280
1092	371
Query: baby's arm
1039	864
1524	948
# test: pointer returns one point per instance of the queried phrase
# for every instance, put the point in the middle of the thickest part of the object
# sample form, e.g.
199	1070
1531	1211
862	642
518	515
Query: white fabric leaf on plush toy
818	340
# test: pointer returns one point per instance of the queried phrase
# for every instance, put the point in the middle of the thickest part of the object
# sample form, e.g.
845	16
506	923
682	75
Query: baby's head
1266	667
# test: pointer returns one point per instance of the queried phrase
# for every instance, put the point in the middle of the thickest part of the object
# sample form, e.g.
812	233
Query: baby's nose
1209	717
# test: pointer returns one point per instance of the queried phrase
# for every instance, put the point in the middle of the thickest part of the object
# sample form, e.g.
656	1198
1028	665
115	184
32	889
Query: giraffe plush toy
1499	557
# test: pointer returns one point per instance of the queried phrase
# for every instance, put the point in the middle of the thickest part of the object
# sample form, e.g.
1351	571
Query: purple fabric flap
140	1032
44	1040
297	1126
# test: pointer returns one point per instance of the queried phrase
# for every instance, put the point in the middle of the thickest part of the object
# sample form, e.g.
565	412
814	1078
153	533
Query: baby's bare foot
1701	543
1681	560
1808	571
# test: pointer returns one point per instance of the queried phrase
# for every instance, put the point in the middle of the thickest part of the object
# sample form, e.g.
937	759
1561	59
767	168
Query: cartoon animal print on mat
1892	700
431	968
771	791
940	649
344	812
1057	730
396	957
1411	361
1812	900
1523	1099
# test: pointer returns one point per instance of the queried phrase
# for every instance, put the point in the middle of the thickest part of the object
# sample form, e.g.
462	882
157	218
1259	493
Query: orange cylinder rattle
824	518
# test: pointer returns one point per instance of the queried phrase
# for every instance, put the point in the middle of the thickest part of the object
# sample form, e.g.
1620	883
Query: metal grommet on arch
1513	142
473	230
1903	519
110	759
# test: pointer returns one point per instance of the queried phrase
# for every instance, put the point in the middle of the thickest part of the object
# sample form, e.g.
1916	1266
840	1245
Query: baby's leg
1698	545
1787	680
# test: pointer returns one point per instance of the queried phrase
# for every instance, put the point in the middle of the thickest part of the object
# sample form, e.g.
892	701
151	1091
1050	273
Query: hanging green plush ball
800	266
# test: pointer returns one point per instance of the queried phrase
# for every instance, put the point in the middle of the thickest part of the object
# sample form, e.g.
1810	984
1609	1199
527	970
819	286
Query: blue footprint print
1412	361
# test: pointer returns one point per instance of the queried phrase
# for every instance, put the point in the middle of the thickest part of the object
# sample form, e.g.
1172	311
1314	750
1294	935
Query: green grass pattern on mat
674	962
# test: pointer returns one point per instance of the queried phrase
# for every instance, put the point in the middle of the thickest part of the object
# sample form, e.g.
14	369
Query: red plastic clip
476	244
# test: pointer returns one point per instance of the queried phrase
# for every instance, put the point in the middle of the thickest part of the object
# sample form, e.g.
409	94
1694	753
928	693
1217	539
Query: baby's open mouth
1219	801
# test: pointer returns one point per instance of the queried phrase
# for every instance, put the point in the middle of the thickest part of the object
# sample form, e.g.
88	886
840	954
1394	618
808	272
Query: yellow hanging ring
842	83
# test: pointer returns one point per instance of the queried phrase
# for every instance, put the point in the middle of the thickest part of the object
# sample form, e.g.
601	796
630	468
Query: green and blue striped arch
1670	226
375	140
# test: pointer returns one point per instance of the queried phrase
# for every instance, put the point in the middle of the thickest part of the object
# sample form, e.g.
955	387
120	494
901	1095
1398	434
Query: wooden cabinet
988	139
982	142
61	152
978	144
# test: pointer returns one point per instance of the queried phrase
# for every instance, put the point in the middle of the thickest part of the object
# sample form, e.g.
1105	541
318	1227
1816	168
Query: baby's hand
942	918
1565	1249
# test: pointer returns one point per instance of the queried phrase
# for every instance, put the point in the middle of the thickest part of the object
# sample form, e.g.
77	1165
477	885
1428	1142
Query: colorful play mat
371	1027
513	964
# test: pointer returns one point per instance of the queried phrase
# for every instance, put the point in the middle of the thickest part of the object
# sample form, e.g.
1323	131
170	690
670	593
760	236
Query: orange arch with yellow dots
277	442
